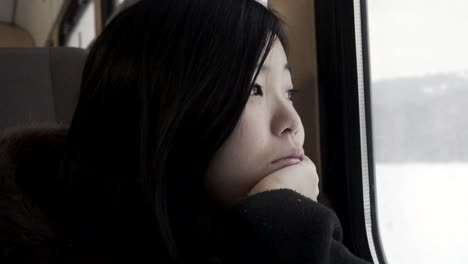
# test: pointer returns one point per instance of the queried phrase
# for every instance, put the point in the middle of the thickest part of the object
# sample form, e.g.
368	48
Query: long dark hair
163	87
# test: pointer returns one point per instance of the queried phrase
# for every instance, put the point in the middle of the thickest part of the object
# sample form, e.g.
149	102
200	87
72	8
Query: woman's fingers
301	177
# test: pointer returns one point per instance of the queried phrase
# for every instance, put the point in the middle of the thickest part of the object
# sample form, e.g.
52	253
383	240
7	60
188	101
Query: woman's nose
285	120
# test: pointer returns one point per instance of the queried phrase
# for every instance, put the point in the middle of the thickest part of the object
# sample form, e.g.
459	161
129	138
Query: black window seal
342	180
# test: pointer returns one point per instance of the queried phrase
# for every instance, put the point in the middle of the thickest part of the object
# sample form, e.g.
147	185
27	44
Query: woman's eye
292	94
256	90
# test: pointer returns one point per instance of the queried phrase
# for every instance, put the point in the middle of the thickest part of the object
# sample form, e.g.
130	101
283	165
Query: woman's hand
301	177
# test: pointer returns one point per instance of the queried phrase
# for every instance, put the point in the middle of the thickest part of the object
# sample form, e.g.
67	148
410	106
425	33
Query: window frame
340	122
73	12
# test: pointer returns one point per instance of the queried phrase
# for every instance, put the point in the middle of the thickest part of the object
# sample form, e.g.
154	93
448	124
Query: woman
185	146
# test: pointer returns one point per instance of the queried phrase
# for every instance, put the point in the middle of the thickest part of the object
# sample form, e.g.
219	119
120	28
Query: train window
84	32
419	100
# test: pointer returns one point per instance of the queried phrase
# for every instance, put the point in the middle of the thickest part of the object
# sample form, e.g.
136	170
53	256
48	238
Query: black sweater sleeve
283	227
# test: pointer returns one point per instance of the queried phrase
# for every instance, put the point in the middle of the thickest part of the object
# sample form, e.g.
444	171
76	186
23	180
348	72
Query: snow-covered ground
423	212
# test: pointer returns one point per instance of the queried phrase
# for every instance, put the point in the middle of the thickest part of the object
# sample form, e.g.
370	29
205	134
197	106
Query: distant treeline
423	119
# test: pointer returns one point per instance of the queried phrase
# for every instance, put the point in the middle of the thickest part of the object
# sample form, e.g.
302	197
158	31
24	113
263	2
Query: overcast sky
411	38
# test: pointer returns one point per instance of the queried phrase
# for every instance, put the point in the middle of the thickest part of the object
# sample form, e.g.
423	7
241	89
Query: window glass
419	101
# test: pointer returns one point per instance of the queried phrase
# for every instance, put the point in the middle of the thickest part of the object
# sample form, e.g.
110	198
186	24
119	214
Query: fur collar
36	217
29	190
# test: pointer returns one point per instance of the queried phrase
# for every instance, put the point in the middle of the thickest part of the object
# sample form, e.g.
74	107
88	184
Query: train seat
39	85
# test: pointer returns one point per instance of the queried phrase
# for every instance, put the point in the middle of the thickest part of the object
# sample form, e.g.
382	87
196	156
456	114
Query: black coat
279	226
283	226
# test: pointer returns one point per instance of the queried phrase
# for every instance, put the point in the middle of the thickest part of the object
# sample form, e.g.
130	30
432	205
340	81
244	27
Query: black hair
163	87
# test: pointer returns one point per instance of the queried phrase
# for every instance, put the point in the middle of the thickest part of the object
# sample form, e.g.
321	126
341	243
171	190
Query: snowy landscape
419	106
423	212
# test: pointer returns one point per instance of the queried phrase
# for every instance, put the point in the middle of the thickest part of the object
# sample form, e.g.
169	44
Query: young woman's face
270	128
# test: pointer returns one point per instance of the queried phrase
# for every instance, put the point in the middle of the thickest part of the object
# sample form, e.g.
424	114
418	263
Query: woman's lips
291	158
287	161
293	154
